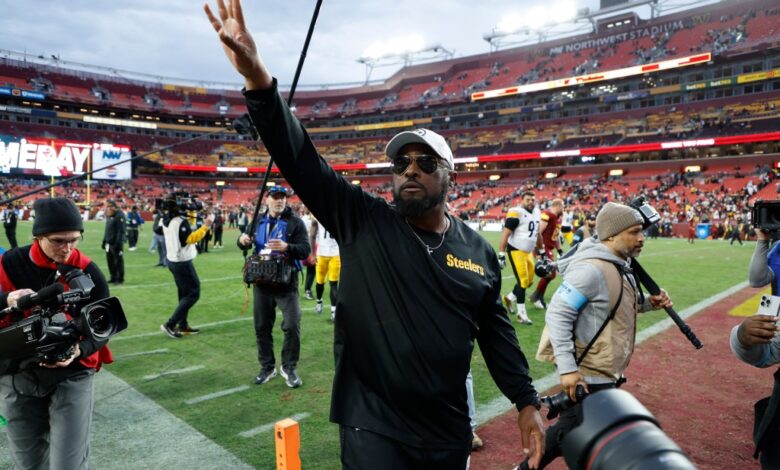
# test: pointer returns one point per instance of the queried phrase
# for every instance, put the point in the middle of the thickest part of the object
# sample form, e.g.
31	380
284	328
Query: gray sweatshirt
759	275
581	304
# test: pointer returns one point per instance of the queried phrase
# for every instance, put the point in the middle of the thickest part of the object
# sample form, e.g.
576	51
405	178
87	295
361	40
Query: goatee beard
416	207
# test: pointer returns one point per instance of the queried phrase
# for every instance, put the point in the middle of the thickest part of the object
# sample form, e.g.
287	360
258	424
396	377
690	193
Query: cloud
173	38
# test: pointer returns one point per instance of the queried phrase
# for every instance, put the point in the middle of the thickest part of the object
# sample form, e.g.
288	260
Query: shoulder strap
611	315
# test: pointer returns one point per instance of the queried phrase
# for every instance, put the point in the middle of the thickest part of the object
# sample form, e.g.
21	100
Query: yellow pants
523	266
330	265
568	236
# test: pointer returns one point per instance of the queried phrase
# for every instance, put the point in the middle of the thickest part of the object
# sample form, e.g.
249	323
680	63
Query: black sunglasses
427	163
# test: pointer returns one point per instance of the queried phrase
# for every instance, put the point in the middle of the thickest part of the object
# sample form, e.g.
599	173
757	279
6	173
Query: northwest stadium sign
638	33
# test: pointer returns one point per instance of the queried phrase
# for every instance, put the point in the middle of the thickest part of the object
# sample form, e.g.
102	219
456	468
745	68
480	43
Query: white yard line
270	426
219	394
170	283
173	372
204	325
142	353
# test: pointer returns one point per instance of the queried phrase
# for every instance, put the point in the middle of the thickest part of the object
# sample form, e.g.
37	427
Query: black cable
253	226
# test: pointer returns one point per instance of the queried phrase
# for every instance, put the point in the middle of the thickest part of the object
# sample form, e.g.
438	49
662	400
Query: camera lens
99	321
103	319
618	432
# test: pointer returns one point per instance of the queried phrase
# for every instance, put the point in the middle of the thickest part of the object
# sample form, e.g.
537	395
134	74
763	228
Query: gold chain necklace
431	249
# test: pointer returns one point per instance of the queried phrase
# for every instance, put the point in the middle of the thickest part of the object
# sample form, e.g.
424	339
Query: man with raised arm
418	287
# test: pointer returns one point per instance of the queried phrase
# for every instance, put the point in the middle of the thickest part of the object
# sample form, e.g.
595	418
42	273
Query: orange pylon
288	445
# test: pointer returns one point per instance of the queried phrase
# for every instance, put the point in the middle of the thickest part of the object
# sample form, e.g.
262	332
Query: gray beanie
614	218
56	214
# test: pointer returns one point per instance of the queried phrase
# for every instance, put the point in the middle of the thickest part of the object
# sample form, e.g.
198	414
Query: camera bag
274	271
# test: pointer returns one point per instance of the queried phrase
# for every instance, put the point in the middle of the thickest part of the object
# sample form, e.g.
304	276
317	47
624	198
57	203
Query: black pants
736	236
311	271
132	237
116	263
188	286
361	449
770	457
265	316
567	421
218	236
10	234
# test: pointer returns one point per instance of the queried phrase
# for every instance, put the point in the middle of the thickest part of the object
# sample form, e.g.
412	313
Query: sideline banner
61	158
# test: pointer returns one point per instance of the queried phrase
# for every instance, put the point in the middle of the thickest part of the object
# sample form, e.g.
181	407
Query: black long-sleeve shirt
114	234
9	221
406	320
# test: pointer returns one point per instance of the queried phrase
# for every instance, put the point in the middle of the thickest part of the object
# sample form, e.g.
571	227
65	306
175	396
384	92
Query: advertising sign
60	158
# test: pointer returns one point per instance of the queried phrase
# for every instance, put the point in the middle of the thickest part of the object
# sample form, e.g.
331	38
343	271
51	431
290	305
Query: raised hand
238	44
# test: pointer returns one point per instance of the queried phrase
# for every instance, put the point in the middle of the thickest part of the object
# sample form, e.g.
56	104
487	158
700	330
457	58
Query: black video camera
178	203
766	215
649	214
48	335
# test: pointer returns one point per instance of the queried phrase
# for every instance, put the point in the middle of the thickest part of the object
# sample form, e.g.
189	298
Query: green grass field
224	355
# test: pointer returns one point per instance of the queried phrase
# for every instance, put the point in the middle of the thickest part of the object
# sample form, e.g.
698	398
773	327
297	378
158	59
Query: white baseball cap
421	136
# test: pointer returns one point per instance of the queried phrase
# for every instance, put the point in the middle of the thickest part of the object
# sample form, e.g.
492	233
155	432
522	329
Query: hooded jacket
583	303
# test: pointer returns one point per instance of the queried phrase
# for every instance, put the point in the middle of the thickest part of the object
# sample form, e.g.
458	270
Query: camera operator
279	231
756	342
180	249
591	319
49	405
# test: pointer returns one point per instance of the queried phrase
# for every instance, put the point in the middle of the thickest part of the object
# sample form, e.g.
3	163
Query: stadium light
616	172
401	45
550	21
402	50
494	177
550	175
692	169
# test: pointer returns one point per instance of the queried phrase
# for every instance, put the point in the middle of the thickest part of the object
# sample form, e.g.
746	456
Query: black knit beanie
56	214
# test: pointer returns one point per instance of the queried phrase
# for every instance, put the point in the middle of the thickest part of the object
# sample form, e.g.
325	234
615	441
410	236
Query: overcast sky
173	38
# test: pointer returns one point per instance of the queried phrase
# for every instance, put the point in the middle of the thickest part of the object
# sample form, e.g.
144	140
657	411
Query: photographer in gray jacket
591	319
